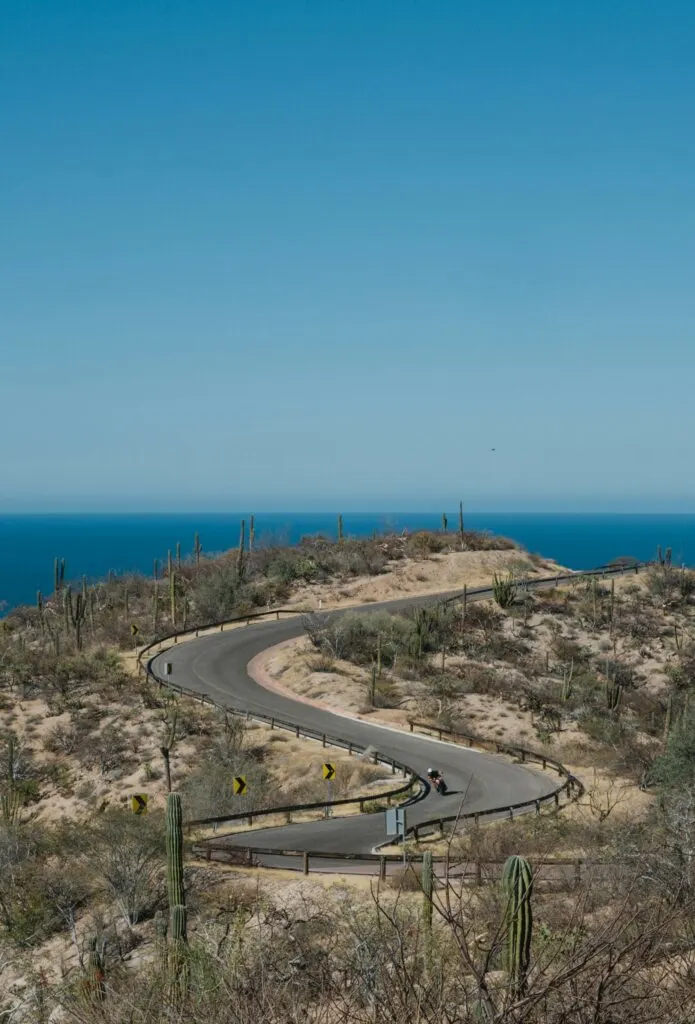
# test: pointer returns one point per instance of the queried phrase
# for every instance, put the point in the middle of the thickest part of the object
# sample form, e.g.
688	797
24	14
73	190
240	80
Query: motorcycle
437	781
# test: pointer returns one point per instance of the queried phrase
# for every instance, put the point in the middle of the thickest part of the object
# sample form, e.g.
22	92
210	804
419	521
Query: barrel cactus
517	880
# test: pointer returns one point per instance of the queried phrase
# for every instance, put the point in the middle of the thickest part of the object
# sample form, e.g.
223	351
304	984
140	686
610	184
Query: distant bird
493	449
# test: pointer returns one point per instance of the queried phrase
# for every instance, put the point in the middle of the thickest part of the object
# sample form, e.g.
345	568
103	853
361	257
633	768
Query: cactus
9	800
427	882
185	613
614	695
461	530
95	987
667	557
340	528
252	531
504	590
667	718
174	848
39	605
567	687
196	550
167	746
172	591
445	522
155	569
178	980
240	554
677	637
58	574
612	608
75	614
155	606
161	928
372	685
659	556
178	554
517	880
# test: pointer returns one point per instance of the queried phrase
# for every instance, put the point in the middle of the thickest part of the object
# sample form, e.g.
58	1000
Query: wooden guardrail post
478	873
382	869
577	872
305	862
556	797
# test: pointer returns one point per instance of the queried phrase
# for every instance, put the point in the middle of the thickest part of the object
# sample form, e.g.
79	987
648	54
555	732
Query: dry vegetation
600	676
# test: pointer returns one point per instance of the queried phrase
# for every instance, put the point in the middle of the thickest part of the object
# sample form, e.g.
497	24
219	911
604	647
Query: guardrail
326	740
554	869
571	785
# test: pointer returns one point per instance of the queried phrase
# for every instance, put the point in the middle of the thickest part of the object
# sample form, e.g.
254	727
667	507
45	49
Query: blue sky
299	255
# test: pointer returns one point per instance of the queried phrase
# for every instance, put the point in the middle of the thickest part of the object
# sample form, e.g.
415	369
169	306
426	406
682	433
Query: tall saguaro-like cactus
427	882
240	553
517	880
174	848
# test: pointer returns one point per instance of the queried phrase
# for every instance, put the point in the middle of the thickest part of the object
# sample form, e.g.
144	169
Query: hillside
598	675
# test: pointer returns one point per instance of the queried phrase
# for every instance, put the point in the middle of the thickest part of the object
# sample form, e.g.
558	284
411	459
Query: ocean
94	544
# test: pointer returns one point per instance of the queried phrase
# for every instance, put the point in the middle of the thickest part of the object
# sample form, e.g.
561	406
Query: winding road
217	665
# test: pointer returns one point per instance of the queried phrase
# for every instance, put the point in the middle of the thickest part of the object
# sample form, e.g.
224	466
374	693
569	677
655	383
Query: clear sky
317	254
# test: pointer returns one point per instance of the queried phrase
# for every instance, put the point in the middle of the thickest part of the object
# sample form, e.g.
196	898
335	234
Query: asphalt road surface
217	666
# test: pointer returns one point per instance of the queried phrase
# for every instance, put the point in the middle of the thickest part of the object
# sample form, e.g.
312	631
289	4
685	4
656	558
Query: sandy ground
411	578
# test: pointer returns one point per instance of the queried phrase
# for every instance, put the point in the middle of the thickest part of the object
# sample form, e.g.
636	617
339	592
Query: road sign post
396	825
328	769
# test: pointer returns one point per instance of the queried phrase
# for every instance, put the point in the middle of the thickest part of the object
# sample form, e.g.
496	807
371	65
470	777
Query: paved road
217	665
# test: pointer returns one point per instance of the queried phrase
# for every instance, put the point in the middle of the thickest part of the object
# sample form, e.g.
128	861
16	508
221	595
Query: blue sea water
94	544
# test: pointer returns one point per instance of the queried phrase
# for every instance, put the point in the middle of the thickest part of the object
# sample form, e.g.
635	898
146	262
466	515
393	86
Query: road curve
217	666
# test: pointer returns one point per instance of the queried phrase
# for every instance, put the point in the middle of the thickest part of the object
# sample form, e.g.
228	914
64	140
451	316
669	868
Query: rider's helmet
432	772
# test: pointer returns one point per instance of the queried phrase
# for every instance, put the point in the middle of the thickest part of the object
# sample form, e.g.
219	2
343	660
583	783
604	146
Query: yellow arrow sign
328	771
239	785
134	630
138	802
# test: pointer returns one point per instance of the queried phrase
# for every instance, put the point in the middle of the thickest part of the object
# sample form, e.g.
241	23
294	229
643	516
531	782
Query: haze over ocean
94	544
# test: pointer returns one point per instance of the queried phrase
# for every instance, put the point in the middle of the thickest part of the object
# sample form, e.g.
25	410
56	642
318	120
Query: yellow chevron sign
138	803
239	785
329	771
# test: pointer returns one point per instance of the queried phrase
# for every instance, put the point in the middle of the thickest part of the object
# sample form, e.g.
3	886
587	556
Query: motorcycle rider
437	780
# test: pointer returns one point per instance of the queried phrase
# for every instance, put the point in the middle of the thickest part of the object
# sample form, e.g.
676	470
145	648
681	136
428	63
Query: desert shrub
360	638
601	726
567	651
128	853
675	768
292	566
424	542
682	672
214	595
107	750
